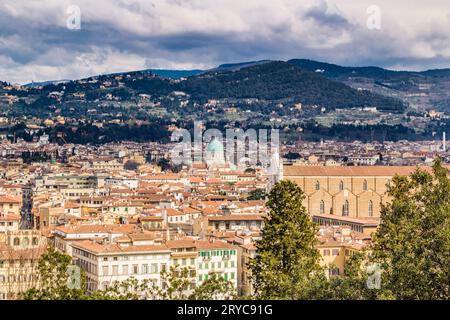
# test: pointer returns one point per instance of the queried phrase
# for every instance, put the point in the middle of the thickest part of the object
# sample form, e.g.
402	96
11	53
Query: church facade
354	192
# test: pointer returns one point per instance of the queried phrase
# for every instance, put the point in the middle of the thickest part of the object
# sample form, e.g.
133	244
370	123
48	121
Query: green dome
215	146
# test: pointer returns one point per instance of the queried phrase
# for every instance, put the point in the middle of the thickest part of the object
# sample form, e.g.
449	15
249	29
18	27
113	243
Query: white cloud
119	35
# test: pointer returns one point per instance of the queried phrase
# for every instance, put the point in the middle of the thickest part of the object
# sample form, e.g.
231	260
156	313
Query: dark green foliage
53	279
413	241
257	194
287	258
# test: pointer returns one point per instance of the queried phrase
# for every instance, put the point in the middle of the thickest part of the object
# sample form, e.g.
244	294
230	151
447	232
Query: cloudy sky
39	39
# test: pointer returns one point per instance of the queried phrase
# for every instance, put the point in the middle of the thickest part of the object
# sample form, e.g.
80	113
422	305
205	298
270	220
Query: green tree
176	283
214	288
257	194
129	289
287	258
54	277
352	285
412	244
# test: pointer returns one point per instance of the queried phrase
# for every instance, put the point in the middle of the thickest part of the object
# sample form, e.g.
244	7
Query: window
317	185
154	268
125	269
105	270
16	241
335	252
345	209
135	269
341	185
370	208
35	241
322	207
144	268
326	252
115	270
365	185
334	272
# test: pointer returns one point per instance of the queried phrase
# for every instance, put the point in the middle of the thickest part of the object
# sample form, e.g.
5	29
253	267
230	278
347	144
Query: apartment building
20	251
219	258
336	245
9	222
10	204
105	264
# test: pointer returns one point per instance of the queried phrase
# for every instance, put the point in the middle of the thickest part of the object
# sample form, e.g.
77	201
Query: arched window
26	242
317	185
322	207
341	185
365	185
16	241
345	209
35	241
370	208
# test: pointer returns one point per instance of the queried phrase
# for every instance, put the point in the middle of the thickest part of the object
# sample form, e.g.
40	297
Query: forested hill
271	81
337	71
279	80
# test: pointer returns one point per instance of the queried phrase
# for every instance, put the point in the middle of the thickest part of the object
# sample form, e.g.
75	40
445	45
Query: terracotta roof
100	248
388	171
125	228
9	217
236	217
10	199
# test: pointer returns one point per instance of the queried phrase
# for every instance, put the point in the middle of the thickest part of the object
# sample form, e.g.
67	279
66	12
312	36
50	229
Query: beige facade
19	256
356	192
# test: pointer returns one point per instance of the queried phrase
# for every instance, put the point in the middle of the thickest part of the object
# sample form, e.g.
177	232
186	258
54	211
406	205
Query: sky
57	39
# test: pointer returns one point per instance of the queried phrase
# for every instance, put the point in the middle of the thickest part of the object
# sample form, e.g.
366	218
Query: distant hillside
281	80
238	66
45	83
176	74
335	71
425	90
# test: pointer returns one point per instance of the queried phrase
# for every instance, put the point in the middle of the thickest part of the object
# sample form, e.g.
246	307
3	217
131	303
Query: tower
444	142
